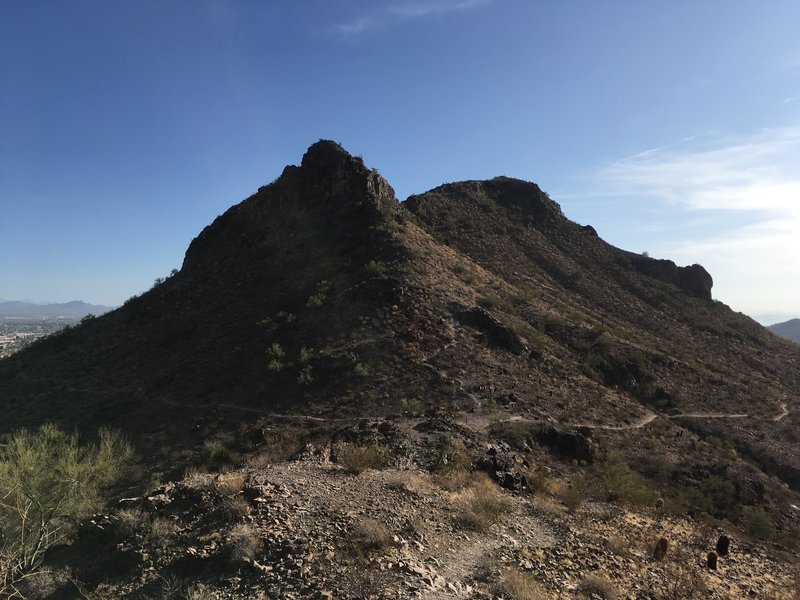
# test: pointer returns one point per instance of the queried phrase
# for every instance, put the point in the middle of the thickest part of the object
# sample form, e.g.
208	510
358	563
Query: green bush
48	481
216	453
377	268
619	482
758	523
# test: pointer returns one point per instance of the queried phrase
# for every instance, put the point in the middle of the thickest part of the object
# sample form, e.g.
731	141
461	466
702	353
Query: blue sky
125	128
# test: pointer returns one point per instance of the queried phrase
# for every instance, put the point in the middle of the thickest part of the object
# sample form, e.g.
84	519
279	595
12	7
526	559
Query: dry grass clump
280	445
197	477
454	480
516	585
243	542
235	508
617	546
409	482
358	458
199	591
131	521
230	484
599	586
682	579
481	504
163	532
572	496
369	534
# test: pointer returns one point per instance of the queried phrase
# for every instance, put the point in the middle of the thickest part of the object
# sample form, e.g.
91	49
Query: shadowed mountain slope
322	295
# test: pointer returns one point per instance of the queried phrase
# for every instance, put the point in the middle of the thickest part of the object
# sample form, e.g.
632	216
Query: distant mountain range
75	308
788	329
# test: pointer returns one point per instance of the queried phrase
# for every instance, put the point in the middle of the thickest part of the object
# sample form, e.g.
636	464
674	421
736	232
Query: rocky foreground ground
332	523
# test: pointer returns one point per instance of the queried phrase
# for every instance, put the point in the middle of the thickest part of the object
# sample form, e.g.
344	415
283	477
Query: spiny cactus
723	545
659	504
660	550
711	561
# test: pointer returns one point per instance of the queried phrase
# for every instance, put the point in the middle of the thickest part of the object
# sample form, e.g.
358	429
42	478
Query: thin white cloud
748	189
396	12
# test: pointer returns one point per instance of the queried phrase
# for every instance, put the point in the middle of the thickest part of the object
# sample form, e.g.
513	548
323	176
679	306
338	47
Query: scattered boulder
497	334
504	468
570	444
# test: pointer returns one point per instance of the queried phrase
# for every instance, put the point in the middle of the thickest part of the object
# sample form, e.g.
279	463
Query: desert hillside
463	395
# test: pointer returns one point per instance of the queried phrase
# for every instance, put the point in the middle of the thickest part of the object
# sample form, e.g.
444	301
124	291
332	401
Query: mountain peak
327	153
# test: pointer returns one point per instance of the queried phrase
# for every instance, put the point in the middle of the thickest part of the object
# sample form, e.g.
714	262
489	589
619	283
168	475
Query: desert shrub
358	458
131	521
516	585
360	370
450	454
518	434
369	534
481	504
279	445
598	586
657	467
199	591
682	579
163	533
229	484
306	376
720	494
235	508
243	542
490	301
573	495
47	481
318	298
619	482
410	406
377	268
275	356
758	524
216	453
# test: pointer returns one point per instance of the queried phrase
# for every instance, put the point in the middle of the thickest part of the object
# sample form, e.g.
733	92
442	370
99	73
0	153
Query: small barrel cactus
660	550
723	545
660	504
711	561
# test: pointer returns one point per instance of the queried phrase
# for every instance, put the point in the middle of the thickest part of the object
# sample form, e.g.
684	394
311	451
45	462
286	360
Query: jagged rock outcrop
693	279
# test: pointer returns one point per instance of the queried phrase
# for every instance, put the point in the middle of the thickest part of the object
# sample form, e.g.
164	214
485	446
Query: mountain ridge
73	308
323	295
788	329
471	329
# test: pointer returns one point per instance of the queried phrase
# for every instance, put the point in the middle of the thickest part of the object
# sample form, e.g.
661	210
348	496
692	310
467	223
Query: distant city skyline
127	128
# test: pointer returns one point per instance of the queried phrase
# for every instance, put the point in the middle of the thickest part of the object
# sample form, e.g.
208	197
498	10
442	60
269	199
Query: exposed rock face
329	181
497	334
568	443
693	279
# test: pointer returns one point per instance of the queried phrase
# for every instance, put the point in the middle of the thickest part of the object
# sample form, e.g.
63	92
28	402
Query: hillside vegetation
320	333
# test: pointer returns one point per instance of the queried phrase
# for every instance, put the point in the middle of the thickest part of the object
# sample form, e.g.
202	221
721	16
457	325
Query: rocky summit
462	395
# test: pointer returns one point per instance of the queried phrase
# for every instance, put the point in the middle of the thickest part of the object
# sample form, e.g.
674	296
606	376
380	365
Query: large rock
568	443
